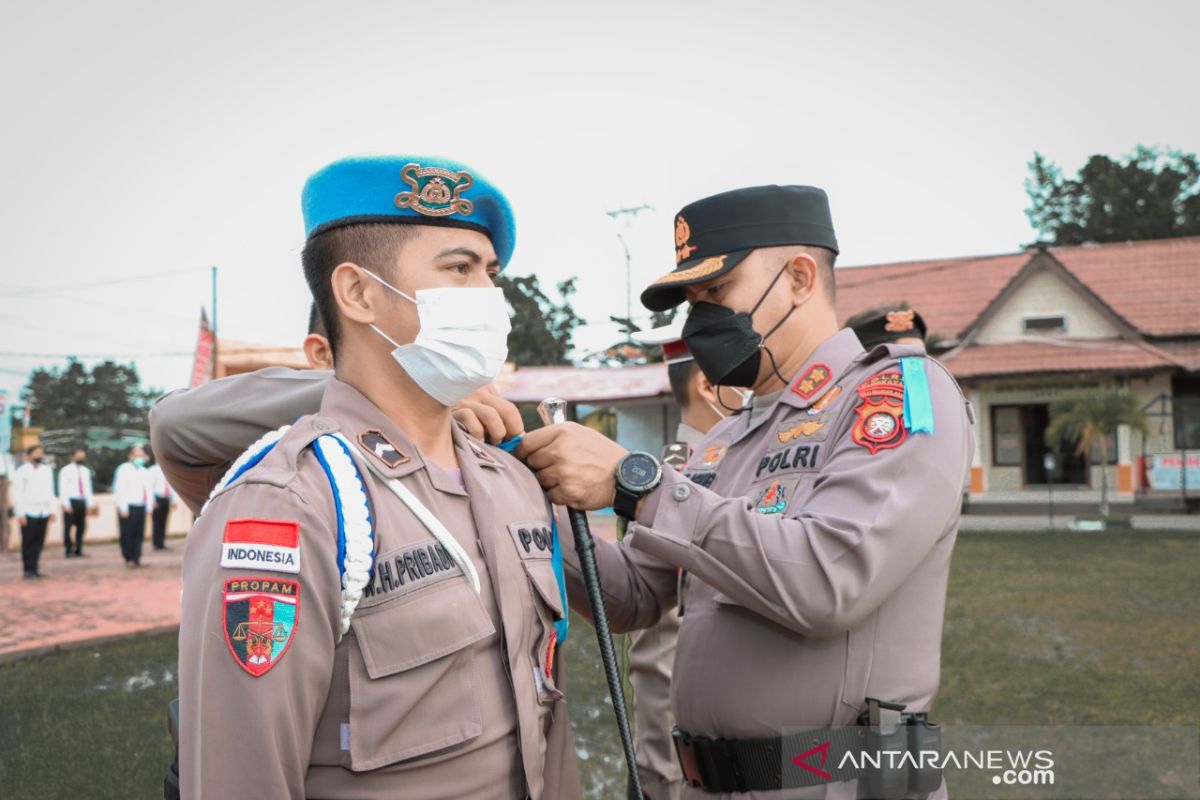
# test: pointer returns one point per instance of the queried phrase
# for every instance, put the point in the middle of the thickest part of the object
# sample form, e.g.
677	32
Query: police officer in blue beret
372	598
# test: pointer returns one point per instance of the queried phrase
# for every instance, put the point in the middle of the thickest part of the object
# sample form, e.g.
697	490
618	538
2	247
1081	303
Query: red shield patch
880	423
260	620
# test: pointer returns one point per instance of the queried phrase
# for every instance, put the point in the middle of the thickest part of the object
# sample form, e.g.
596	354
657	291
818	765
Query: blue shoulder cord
562	626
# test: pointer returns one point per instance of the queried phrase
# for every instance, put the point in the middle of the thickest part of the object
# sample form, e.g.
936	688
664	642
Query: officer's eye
462	268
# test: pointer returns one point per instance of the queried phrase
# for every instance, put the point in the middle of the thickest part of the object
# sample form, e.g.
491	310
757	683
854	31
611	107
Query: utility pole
627	214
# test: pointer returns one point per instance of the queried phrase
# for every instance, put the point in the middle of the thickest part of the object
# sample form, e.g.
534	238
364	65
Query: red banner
202	366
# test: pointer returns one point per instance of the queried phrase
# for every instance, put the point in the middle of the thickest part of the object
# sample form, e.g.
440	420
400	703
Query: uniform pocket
413	688
548	602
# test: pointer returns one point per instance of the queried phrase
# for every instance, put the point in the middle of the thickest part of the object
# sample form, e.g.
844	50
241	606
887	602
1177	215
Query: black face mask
38	459
724	343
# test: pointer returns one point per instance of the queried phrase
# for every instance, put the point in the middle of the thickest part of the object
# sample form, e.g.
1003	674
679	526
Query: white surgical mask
462	343
745	396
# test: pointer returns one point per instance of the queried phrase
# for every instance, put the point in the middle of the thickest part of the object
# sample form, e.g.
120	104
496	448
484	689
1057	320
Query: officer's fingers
510	415
492	424
536	440
550	477
543	458
468	419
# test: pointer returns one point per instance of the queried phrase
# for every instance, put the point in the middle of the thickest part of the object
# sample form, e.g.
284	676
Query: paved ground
86	599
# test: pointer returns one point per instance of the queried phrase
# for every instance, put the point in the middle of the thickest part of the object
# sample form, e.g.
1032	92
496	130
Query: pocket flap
541	574
420	627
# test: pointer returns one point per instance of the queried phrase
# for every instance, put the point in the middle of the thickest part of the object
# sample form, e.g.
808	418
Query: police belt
745	765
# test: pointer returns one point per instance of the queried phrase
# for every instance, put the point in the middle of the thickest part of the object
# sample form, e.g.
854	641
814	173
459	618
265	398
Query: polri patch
260	620
812	381
880	423
271	544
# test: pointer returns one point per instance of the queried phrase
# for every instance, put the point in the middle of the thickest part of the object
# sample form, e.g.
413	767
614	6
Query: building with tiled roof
1023	329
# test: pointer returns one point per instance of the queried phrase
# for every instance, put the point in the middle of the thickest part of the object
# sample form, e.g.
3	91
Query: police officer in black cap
814	532
891	323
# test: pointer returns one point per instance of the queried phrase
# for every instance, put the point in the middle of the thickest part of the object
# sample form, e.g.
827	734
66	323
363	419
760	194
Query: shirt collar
823	369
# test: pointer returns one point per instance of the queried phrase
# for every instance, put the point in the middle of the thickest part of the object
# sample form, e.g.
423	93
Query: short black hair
315	325
372	246
680	375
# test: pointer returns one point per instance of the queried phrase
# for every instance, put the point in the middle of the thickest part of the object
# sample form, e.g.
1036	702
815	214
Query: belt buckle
685	752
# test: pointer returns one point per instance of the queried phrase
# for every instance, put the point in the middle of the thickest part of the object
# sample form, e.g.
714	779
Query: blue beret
415	190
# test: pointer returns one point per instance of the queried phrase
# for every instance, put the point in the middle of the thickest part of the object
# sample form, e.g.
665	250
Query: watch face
638	470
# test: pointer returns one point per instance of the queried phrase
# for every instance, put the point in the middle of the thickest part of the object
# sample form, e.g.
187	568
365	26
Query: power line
97	355
27	291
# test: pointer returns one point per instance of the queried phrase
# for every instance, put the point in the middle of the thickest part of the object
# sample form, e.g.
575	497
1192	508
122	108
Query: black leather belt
747	765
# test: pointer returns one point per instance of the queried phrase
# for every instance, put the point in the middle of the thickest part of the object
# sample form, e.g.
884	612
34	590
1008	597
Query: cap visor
667	291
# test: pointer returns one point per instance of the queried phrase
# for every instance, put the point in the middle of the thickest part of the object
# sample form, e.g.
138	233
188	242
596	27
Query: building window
1048	323
1008	443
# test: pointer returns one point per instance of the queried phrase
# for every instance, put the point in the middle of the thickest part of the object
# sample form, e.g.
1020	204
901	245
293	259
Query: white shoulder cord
355	515
435	526
244	460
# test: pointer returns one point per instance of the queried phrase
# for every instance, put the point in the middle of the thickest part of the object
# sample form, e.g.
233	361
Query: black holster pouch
904	773
924	737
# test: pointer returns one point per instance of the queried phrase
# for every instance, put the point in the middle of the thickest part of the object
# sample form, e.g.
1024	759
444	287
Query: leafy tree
541	328
1152	194
103	409
1081	423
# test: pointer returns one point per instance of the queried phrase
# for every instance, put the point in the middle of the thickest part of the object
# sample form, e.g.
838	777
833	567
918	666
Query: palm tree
1088	420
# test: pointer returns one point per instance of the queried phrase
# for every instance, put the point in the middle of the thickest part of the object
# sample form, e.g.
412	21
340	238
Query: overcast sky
146	141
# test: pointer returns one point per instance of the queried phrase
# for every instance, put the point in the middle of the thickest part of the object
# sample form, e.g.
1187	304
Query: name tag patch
801	456
261	544
414	567
533	539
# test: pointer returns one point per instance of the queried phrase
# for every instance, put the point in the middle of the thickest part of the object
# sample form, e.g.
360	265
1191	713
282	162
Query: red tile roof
1154	285
1058	355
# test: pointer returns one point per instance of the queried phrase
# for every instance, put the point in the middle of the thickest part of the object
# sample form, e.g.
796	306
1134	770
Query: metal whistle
552	410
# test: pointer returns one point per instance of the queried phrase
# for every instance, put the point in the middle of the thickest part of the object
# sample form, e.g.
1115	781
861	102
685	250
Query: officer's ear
358	296
704	387
803	269
318	352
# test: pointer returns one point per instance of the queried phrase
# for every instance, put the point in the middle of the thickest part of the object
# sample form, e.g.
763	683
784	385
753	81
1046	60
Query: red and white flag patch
270	544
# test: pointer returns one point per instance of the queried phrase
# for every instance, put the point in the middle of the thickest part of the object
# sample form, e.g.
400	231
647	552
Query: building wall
1122	477
1045	293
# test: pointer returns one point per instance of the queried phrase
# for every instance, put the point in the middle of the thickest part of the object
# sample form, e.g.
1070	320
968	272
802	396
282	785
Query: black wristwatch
637	475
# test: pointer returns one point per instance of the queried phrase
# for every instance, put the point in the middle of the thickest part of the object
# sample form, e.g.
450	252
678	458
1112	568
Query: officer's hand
22	521
575	464
488	416
123	514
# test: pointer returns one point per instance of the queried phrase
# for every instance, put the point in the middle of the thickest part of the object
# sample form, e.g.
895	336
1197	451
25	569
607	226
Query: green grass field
1040	629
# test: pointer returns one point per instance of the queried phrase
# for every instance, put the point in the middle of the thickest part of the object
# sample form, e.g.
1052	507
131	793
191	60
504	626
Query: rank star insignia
880	412
800	430
771	500
436	192
899	321
683	232
812	381
378	445
260	620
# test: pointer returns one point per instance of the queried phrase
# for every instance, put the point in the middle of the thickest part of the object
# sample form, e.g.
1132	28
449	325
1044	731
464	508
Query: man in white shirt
164	501
34	504
131	488
75	494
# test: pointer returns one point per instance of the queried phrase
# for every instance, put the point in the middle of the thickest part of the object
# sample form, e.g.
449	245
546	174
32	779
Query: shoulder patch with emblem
712	455
271	544
824	400
812	381
261	614
772	499
880	423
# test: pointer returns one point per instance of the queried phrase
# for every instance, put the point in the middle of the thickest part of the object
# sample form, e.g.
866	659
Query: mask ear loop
762	343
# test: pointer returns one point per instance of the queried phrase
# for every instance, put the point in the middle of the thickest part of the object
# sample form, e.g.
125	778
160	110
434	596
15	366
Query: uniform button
681	492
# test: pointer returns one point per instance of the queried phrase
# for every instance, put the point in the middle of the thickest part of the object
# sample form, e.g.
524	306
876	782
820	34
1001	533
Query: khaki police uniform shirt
815	557
435	691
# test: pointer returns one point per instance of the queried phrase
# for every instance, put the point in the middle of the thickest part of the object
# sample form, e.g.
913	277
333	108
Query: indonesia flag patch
270	544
